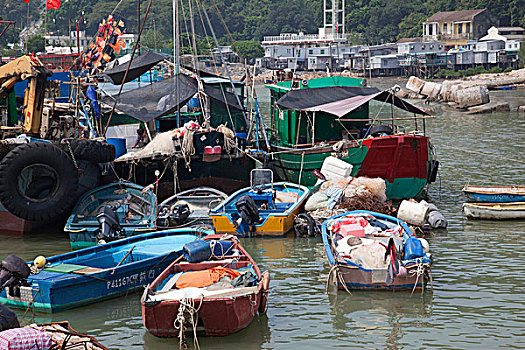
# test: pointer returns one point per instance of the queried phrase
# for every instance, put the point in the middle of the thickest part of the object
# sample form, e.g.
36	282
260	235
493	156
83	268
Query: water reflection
383	316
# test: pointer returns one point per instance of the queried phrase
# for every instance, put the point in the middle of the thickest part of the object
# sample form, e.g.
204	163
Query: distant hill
370	21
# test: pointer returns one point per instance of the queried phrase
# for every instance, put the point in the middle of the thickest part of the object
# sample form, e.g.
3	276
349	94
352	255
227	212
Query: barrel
120	146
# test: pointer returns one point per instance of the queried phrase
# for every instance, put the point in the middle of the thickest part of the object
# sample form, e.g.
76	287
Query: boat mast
225	66
176	54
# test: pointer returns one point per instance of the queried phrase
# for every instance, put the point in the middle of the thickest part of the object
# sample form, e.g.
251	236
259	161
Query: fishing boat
189	208
264	209
92	274
373	251
494	211
494	194
54	335
313	119
111	212
215	287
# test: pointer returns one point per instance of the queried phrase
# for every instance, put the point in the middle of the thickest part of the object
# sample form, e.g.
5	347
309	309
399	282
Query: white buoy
424	243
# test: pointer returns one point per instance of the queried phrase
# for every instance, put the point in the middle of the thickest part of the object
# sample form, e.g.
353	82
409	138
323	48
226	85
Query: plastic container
334	168
120	146
201	250
355	230
413	213
413	249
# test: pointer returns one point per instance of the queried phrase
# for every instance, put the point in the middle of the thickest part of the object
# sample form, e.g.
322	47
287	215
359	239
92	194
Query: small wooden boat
93	274
55	335
111	212
189	208
67	338
184	299
265	208
494	194
373	251
494	211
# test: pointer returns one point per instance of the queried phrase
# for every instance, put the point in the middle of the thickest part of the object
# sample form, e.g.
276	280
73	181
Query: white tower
334	16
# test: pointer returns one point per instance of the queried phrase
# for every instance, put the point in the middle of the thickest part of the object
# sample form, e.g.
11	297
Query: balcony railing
297	38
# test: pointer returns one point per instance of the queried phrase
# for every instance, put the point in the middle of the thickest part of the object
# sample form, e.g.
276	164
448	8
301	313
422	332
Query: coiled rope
187	308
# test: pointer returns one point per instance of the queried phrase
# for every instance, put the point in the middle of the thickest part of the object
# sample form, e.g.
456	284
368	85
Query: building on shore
451	40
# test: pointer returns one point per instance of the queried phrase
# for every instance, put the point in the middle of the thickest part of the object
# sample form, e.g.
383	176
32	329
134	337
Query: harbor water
478	272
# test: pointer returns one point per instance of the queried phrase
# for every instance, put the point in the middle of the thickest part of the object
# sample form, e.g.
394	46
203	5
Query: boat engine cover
248	210
109	226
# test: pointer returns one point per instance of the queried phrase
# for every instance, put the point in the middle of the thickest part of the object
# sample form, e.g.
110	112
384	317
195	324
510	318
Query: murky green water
479	269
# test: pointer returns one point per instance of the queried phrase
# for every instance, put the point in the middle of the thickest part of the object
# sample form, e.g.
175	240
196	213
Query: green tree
248	49
35	44
411	25
521	55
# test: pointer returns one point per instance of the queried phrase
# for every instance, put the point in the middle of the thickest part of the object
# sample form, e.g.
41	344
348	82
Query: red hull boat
218	309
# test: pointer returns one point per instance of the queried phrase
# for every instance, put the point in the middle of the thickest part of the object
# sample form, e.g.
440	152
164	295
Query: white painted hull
494	211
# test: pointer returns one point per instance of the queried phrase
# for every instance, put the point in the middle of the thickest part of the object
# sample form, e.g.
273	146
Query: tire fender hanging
38	181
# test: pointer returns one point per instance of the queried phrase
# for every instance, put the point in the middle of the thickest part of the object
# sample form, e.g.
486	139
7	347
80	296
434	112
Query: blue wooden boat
264	209
93	274
494	194
368	250
111	212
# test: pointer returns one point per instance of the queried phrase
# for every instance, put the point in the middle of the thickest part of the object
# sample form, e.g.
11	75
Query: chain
72	155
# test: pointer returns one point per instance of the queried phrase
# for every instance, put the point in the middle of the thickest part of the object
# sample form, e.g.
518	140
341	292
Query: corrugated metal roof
454	16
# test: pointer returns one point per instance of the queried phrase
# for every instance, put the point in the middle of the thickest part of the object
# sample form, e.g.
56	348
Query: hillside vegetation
368	21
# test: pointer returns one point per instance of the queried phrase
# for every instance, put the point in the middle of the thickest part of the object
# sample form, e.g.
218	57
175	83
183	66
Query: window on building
460	28
444	28
467	28
310	52
430	29
322	51
431	47
423	47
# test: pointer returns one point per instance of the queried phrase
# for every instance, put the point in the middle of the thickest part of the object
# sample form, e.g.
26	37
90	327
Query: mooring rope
484	154
187	306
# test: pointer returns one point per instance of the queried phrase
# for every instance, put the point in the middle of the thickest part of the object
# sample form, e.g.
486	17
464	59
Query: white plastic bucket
413	213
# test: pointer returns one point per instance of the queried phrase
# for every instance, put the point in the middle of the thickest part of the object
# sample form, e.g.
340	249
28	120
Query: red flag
51	4
26	1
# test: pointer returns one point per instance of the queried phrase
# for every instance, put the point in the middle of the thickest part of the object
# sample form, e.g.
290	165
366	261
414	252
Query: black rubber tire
380	129
311	226
92	150
45	154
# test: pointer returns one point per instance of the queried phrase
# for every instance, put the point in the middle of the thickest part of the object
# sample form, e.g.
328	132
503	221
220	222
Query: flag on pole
51	4
26	1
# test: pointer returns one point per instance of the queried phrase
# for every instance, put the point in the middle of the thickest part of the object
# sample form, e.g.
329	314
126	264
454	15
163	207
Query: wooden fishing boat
494	211
54	335
189	208
265	208
373	251
316	118
93	274
111	212
494	194
179	300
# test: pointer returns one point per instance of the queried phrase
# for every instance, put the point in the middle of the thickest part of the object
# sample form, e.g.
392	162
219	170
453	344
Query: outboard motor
109	226
249	215
179	213
13	274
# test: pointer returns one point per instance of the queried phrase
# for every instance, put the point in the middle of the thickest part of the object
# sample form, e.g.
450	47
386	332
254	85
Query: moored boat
494	211
111	212
216	287
494	194
264	209
189	208
92	274
315	118
54	335
374	251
